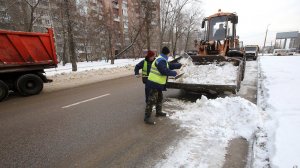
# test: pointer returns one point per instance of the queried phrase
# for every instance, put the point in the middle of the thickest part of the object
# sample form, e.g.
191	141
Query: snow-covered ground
88	72
279	96
212	123
273	124
88	66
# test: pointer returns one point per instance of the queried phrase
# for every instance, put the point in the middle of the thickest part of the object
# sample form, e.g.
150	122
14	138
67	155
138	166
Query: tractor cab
220	34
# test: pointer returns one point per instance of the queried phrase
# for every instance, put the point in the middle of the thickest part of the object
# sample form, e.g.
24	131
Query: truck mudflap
211	88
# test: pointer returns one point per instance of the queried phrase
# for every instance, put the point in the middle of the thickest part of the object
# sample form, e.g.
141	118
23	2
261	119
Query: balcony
117	18
115	4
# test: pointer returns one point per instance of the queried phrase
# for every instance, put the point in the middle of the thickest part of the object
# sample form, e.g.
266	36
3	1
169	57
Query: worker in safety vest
157	79
145	65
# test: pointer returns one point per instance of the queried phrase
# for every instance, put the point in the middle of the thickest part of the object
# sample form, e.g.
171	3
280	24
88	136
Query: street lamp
265	39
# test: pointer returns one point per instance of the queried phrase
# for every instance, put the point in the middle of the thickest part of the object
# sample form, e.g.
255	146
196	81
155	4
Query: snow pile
86	66
88	72
279	98
212	74
210	125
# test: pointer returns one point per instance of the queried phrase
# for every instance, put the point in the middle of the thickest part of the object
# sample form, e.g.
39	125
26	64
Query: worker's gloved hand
137	76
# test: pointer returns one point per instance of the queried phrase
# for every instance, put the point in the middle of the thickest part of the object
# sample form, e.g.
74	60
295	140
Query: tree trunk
64	58
70	37
187	40
86	54
148	36
31	19
32	10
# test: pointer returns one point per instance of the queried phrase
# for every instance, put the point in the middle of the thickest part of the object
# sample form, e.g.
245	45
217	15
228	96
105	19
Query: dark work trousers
147	90
155	98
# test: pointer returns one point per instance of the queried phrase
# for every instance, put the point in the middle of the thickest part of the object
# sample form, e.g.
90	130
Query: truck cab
251	51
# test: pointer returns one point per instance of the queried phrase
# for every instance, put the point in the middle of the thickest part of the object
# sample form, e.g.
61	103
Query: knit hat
150	54
165	50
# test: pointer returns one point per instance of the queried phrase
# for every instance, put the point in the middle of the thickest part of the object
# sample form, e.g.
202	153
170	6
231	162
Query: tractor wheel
29	84
3	90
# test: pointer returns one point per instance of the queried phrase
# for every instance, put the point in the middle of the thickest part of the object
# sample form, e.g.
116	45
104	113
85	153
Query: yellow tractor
220	36
220	44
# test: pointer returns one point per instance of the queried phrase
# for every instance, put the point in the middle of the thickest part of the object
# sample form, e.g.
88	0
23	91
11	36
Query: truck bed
22	51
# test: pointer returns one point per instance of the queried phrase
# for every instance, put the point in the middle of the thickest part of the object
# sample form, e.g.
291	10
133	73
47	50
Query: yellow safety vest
144	70
155	76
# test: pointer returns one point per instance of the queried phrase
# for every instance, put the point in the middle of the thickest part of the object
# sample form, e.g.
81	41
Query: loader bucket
210	88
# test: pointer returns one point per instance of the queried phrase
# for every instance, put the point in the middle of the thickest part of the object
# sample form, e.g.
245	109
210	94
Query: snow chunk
212	74
210	125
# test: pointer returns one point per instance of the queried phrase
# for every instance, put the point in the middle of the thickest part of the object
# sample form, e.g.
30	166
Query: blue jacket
140	66
161	65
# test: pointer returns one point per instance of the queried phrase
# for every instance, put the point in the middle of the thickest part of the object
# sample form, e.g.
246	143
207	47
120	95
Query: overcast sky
255	15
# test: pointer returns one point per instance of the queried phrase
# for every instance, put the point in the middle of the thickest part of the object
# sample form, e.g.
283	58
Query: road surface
96	125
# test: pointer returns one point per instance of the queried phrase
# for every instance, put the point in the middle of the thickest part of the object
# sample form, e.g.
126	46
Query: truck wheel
3	90
29	84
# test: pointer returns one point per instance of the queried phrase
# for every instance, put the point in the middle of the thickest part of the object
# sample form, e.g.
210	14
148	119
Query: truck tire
3	90
29	84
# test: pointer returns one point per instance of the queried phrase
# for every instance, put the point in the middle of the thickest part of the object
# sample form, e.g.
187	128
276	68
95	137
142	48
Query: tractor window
218	28
229	29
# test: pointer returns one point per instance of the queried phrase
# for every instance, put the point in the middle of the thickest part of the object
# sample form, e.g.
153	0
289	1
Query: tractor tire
29	84
3	90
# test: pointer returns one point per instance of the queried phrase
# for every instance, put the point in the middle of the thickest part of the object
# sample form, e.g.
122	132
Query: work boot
149	121
160	114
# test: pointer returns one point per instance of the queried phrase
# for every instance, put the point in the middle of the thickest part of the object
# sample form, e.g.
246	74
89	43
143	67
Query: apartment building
92	20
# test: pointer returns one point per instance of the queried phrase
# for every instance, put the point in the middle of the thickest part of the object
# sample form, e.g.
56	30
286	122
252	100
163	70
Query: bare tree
15	15
59	24
194	18
173	21
110	34
70	35
179	29
166	10
133	37
32	19
148	9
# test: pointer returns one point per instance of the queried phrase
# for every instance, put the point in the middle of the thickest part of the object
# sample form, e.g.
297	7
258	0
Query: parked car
280	52
292	51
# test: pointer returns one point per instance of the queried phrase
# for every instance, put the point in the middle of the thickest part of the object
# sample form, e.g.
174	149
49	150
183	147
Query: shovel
178	76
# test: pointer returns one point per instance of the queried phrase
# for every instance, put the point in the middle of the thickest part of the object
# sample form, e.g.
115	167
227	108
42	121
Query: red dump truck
23	58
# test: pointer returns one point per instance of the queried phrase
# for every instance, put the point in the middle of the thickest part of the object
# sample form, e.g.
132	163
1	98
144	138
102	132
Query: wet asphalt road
104	129
96	125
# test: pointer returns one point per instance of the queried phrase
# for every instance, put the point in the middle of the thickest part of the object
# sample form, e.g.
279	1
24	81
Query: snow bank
279	98
212	74
87	66
210	125
88	72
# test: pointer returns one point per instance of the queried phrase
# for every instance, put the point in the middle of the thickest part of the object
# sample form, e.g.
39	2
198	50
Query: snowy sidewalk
279	96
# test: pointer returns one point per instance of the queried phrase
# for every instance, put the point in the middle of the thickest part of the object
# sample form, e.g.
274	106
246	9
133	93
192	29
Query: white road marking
84	101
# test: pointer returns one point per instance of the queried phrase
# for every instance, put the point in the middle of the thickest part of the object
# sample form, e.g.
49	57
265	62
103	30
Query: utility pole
265	39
